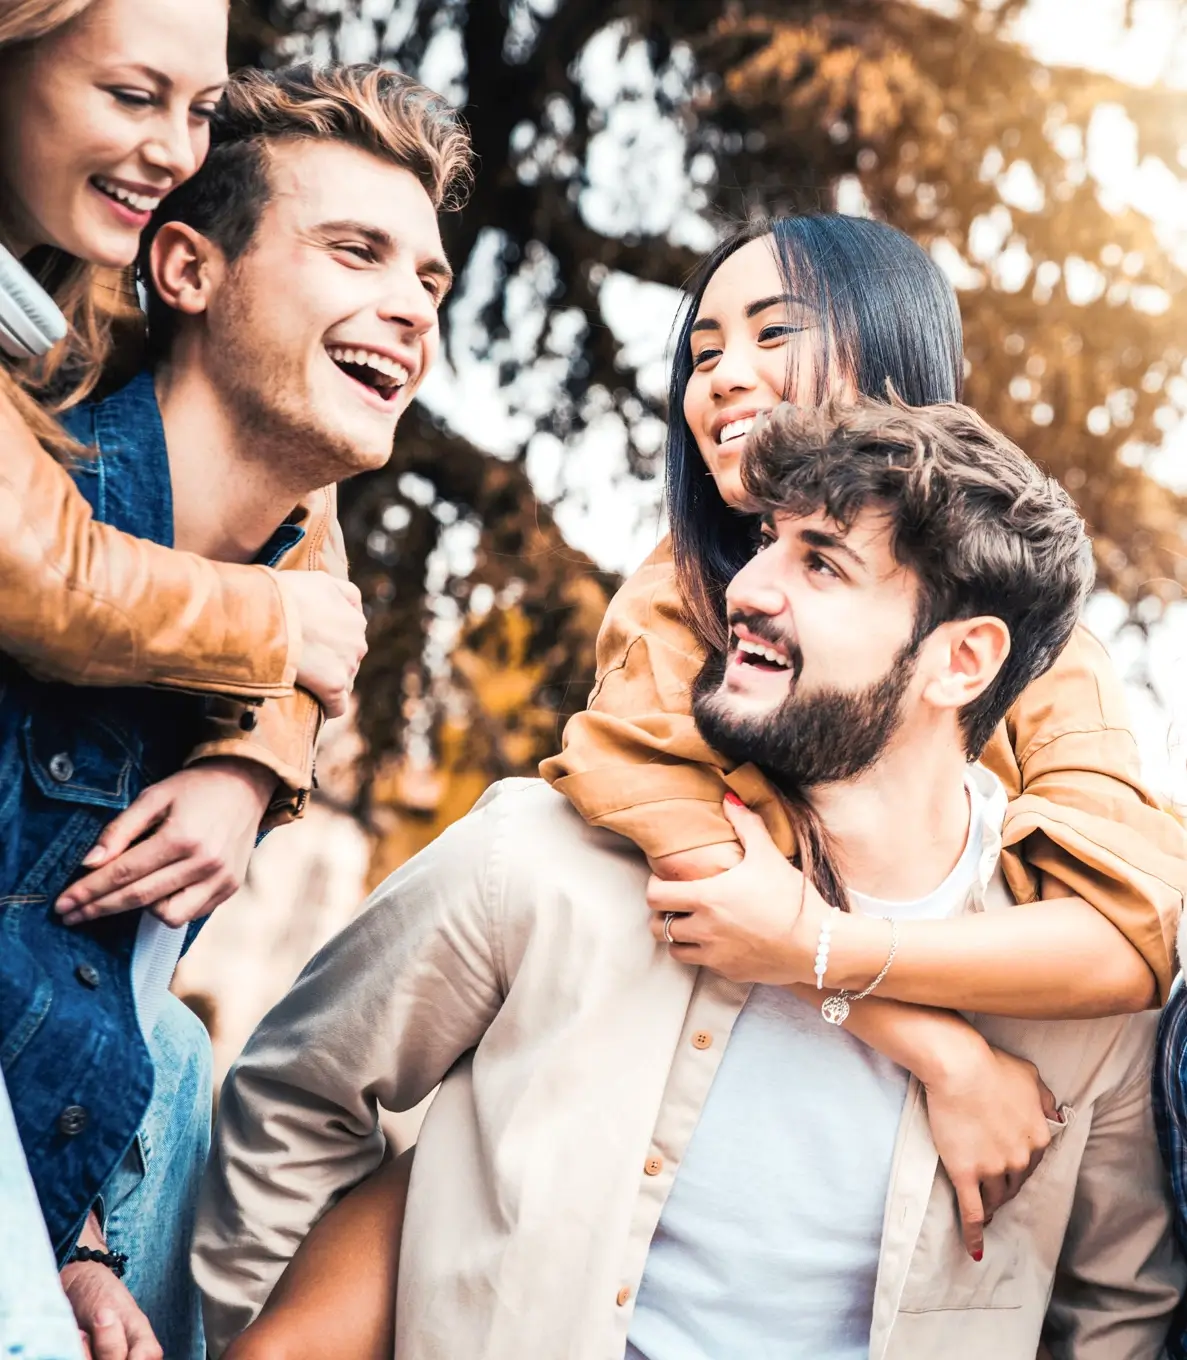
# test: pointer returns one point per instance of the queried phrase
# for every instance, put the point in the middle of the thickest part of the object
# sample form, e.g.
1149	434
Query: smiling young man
293	289
631	1154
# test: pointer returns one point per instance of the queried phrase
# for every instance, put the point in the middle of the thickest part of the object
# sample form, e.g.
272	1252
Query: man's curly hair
985	530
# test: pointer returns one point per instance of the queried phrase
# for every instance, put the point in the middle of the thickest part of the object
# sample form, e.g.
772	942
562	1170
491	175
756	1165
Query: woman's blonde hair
91	298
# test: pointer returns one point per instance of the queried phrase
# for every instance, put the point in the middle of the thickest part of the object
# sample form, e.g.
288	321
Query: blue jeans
35	1320
149	1202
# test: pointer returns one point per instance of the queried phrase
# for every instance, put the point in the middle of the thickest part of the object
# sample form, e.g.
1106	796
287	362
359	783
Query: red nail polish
732	797
977	1255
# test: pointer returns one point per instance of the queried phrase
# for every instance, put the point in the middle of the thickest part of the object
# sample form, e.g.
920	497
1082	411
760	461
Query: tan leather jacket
86	604
634	762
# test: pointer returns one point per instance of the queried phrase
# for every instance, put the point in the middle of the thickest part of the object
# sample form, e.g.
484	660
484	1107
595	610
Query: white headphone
30	322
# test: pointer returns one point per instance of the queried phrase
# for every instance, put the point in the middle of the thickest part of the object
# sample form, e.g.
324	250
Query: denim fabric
78	1070
35	1320
150	1200
1170	1120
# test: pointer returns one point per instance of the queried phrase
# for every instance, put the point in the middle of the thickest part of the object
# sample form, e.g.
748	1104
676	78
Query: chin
107	248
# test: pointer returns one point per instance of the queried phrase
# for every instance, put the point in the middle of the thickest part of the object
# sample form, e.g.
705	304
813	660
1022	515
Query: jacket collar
129	483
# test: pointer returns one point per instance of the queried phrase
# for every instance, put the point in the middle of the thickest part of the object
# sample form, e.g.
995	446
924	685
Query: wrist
954	1053
858	948
256	779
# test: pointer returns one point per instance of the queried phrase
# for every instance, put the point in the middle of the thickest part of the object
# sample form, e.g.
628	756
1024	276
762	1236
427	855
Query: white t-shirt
767	1247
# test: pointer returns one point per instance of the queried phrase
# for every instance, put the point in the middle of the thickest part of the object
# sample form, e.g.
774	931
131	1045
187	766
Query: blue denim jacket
77	1069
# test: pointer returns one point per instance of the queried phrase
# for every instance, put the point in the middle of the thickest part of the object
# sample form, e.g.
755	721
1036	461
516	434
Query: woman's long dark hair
885	313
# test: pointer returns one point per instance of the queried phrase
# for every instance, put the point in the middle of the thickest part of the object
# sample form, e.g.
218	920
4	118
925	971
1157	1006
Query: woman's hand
756	922
988	1112
180	850
109	1320
701	862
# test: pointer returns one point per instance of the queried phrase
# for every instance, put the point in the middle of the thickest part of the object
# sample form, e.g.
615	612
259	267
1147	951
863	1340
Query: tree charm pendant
835	1010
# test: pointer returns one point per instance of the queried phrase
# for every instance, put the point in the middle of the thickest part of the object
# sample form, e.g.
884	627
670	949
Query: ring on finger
669	917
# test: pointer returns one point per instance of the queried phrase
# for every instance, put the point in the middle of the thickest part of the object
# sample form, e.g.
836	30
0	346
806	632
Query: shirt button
623	1296
61	767
702	1039
248	720
87	975
653	1165
73	1120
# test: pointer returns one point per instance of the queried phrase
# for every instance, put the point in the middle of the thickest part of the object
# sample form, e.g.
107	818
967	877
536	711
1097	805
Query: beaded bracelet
115	1261
822	943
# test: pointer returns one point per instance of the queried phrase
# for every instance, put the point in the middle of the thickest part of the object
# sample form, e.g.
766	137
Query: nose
733	372
177	147
409	305
757	588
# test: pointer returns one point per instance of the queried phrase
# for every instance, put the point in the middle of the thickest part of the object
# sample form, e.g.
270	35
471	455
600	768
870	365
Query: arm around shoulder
1080	812
633	760
87	604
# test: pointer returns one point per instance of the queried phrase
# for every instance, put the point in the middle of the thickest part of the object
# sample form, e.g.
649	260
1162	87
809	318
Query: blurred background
1037	147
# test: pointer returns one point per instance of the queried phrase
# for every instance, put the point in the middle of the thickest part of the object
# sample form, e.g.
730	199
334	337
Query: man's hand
181	849
333	635
743	923
989	1115
110	1322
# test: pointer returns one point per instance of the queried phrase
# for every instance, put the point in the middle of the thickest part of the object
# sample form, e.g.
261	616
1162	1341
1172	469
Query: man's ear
186	267
972	653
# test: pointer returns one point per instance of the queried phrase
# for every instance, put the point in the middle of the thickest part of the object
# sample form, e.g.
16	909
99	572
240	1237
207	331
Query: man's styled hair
384	112
983	528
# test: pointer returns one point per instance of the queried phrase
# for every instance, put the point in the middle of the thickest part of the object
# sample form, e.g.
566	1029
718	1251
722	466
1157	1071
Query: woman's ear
183	263
974	652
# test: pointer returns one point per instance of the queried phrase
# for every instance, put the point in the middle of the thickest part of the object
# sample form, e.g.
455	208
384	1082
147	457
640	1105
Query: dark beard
818	738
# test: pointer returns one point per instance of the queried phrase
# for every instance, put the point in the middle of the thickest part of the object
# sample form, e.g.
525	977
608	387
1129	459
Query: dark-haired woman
807	309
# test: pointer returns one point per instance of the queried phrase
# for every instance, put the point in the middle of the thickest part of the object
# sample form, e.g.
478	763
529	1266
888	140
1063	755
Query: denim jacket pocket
72	762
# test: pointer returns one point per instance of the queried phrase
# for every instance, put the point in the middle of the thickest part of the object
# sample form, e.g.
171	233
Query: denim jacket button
61	767
73	1120
87	975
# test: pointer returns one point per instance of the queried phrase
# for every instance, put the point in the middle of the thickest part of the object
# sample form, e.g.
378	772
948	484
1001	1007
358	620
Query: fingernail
732	797
95	855
977	1255
63	905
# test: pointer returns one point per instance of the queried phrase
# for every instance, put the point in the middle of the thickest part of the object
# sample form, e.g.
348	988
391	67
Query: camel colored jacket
86	604
1079	812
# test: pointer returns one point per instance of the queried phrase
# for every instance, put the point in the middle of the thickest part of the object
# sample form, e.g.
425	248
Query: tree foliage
1074	309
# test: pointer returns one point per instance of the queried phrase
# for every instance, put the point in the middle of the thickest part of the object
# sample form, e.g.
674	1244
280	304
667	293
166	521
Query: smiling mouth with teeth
755	654
138	203
378	372
735	429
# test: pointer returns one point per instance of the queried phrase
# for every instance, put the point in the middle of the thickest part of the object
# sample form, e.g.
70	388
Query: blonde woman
104	108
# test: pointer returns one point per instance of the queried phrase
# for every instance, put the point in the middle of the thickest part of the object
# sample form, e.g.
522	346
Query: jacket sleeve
87	604
282	734
1120	1272
1079	812
378	1017
633	760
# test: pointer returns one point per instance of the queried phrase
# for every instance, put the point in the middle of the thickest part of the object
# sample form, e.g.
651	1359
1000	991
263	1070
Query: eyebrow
383	243
707	323
818	538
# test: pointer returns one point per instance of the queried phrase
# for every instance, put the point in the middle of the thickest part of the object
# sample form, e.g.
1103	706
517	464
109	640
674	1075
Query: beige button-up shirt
511	962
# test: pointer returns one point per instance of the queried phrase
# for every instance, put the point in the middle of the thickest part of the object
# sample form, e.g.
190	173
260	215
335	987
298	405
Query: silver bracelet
835	1009
822	943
